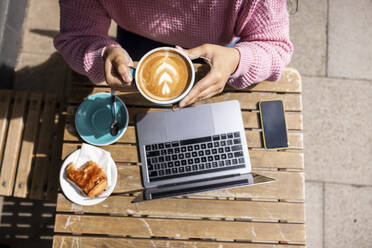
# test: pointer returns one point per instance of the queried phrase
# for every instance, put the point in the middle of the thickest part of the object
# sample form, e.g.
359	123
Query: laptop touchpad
190	123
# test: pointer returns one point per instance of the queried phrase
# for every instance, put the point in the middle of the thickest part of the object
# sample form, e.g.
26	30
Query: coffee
164	75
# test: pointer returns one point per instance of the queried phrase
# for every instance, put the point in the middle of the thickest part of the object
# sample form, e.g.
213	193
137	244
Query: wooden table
269	215
30	123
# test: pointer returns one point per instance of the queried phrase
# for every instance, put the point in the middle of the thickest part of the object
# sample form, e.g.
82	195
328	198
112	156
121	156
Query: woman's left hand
223	62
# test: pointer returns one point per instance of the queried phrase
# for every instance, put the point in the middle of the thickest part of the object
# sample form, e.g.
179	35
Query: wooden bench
269	215
31	129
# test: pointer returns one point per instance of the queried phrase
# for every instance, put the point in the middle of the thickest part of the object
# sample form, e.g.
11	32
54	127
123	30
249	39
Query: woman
202	27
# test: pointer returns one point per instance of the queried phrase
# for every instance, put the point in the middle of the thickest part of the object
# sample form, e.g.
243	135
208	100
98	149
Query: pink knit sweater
262	26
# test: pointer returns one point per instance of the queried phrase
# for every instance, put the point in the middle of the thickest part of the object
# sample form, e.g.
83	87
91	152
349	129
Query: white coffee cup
190	73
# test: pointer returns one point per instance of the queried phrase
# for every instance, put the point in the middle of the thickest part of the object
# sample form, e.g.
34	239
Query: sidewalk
333	54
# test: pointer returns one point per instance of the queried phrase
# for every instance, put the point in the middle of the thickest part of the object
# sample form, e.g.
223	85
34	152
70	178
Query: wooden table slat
259	158
5	98
287	186
251	119
148	227
53	172
247	210
42	161
13	143
274	159
248	100
289	82
28	143
62	241
254	138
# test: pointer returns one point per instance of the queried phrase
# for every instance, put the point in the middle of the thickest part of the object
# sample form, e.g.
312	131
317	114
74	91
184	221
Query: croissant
91	179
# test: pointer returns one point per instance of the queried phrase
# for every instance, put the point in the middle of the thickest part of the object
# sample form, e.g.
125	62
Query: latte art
164	75
164	69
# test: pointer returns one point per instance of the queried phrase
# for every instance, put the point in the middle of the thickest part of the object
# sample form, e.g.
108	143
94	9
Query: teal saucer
94	117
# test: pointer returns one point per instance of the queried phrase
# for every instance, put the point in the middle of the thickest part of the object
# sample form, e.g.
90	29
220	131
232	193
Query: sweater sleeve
264	46
83	36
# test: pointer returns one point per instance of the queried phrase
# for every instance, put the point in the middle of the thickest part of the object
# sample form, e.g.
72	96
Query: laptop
193	150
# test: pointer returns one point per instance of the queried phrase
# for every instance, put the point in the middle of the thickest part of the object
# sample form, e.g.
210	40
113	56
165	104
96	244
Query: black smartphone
274	129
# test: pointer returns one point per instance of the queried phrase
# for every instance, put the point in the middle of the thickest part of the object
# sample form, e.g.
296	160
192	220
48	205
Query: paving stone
42	24
43	14
308	34
46	73
337	130
348	216
350	32
314	214
39	43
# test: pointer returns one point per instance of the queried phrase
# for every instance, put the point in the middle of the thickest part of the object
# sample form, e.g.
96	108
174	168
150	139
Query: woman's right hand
117	62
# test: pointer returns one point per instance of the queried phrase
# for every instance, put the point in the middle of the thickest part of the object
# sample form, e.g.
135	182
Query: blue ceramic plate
94	117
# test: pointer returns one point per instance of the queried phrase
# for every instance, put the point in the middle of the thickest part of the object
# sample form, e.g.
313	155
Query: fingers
211	91
113	79
117	72
130	62
197	52
109	74
198	88
213	78
121	66
209	86
207	93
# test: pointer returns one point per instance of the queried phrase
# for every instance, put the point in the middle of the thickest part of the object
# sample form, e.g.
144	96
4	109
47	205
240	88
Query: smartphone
274	129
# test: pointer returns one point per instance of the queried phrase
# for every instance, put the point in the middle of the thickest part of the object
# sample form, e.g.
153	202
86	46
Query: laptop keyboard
194	156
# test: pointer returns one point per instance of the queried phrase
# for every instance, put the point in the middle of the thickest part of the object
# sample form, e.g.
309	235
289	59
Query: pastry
91	178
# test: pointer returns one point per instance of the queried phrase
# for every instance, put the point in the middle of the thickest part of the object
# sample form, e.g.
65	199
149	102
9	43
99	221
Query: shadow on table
51	76
26	223
6	75
47	74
